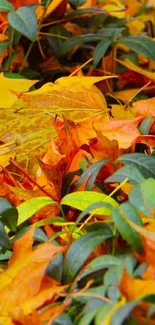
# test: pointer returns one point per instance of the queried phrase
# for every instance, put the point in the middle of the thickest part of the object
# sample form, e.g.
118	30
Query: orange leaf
23	278
123	131
145	107
135	288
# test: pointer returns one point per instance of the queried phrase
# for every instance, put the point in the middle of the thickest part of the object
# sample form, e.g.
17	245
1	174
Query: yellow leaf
77	97
127	94
115	8
121	112
130	65
52	6
135	26
7	85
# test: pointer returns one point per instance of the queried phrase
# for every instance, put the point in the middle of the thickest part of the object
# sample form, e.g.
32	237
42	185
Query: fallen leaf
145	107
130	65
123	131
8	85
26	267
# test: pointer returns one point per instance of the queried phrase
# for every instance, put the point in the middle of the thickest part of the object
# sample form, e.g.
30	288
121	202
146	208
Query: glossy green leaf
79	40
10	218
63	319
100	51
92	173
90	310
99	263
143	197
130	171
83	199
4	205
129	234
77	3
123	312
6	6
91	208
145	163
78	252
102	313
144	127
24	21
58	39
28	208
4	240
140	44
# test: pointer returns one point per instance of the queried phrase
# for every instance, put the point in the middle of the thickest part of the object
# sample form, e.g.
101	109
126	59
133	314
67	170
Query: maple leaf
24	278
123	131
8	88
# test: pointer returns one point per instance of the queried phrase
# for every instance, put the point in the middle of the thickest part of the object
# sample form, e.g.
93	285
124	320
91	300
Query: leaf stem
10	48
26	56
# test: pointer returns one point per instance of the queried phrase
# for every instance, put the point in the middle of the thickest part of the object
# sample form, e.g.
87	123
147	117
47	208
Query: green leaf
28	208
92	173
143	197
4	205
100	263
3	46
123	312
78	252
63	319
102	314
100	51
130	171
10	218
77	3
79	40
144	127
140	44
145	163
93	207
90	311
4	240
83	199
113	33
24	21
80	12
129	234
6	6
57	41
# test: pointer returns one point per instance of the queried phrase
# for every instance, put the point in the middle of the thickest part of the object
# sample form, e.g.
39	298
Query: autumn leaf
145	107
135	288
25	267
123	131
132	66
9	86
76	97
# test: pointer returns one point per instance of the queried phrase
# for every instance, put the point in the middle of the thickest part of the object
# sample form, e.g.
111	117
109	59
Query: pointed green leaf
79	251
6	6
30	207
100	51
24	21
83	199
140	44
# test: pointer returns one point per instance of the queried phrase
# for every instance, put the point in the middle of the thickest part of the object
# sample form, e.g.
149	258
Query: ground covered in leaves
77	162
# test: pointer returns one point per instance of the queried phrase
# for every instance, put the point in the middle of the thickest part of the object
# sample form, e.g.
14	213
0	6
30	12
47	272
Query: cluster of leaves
77	162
